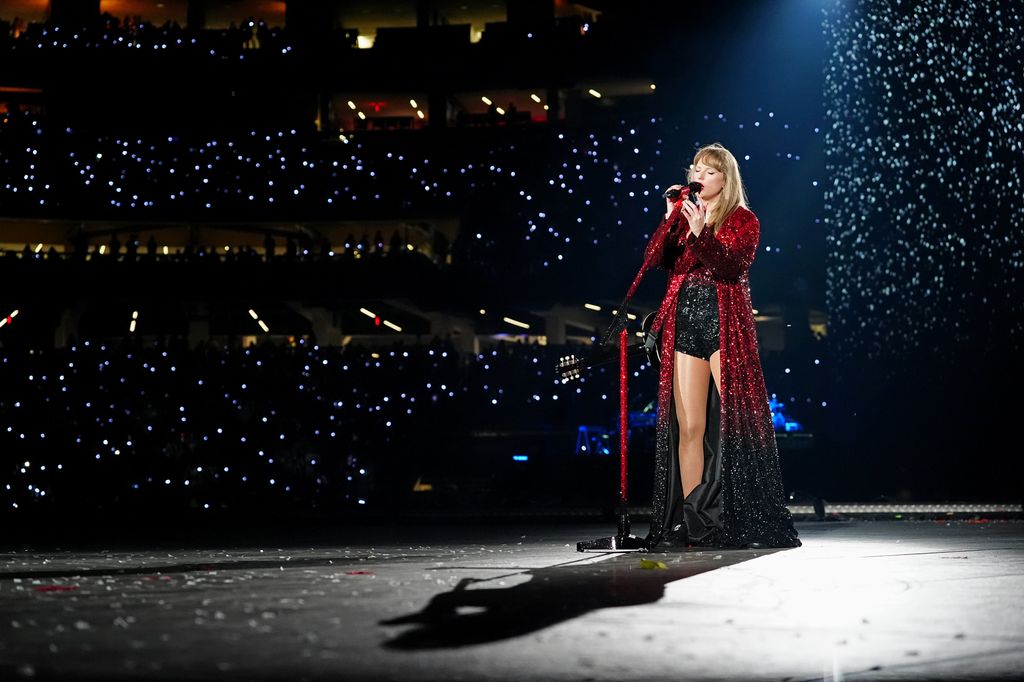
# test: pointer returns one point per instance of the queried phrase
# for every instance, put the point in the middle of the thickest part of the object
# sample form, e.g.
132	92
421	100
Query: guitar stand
622	541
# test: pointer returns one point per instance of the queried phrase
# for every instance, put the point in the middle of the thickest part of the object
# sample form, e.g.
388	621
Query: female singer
717	478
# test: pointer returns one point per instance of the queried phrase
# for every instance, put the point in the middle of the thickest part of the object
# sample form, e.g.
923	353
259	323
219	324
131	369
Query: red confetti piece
55	588
358	572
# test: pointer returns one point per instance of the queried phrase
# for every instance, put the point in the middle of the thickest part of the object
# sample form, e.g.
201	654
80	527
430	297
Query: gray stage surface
860	600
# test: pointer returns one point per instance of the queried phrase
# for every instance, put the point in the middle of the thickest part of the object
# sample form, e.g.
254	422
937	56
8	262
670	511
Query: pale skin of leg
690	390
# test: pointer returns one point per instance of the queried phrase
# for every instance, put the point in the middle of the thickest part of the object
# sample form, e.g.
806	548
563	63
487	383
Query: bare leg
690	388
716	369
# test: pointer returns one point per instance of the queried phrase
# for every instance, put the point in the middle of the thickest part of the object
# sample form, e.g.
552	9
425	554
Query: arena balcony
534	68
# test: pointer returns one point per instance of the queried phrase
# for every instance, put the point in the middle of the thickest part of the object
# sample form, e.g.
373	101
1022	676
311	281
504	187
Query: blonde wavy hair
733	193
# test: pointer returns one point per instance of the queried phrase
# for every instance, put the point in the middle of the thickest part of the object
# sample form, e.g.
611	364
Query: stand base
615	543
622	541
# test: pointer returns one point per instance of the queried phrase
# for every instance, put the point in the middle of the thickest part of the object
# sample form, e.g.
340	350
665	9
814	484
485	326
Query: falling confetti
924	151
651	565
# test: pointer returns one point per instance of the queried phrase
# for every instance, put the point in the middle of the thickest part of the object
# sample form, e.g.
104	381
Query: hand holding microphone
695	213
672	194
672	239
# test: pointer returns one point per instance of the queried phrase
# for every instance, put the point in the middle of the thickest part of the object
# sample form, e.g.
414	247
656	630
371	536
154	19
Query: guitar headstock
569	367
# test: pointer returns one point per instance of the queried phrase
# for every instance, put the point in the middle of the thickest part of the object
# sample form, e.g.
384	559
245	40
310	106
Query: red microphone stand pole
622	541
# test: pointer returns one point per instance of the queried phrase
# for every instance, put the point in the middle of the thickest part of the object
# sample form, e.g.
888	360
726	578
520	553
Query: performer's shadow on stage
474	614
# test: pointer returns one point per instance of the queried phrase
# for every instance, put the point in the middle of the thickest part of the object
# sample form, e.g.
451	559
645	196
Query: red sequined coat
741	498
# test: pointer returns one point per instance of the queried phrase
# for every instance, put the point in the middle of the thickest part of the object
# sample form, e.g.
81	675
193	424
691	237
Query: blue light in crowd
520	458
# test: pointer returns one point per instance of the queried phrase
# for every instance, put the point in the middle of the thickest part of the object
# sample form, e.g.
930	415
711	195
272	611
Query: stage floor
515	601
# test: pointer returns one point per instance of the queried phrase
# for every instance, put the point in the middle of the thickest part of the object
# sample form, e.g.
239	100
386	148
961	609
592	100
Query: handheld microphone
695	189
674	192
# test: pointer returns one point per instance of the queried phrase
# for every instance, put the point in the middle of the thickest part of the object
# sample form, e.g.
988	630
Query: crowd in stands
109	33
163	425
550	200
302	248
542	207
159	425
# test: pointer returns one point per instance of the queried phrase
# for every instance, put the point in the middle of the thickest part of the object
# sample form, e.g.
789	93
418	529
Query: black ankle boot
677	537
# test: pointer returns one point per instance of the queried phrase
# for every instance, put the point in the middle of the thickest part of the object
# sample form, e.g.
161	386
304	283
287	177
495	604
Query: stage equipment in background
592	440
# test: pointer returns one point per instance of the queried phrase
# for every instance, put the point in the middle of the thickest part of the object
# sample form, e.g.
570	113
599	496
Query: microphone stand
622	540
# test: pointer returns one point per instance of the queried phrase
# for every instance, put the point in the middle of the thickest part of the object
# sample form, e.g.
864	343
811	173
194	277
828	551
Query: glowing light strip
535	98
594	92
392	325
487	101
261	323
516	322
3	320
854	508
591	306
366	312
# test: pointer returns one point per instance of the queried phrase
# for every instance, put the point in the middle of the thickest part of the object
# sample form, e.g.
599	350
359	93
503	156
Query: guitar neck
611	355
571	367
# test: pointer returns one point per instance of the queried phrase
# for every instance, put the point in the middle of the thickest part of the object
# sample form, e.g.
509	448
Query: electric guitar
571	367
